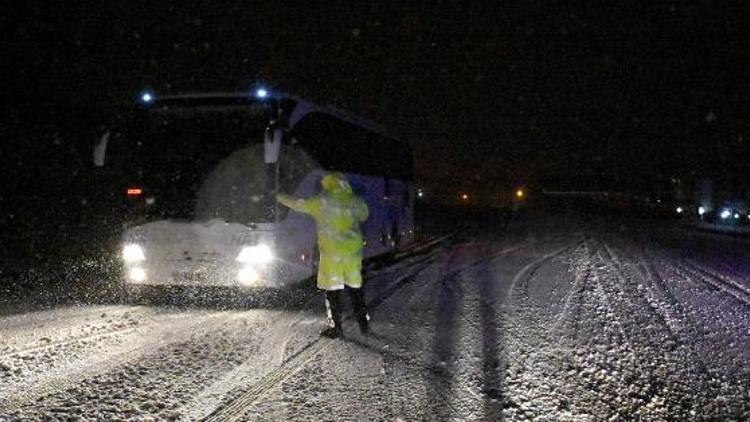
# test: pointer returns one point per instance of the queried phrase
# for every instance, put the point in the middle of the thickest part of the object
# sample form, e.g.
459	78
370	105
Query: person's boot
360	309
333	310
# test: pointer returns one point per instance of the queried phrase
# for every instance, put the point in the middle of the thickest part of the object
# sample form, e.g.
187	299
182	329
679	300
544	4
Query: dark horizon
511	93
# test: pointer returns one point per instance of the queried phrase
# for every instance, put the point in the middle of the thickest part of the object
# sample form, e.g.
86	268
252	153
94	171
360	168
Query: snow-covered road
544	321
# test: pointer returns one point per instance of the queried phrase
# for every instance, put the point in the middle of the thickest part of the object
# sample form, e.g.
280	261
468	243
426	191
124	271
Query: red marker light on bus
135	191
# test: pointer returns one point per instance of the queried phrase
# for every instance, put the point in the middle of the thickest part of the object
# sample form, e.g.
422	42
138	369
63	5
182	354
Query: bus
196	178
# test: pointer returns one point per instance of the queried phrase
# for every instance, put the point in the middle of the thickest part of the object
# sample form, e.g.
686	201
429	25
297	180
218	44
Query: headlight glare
248	276
259	254
137	274
133	253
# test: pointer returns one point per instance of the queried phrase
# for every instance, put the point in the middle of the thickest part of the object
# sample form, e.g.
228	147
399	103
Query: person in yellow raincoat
337	212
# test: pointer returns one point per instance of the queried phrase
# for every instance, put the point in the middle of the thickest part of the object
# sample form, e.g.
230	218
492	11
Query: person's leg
330	280
333	310
357	293
360	308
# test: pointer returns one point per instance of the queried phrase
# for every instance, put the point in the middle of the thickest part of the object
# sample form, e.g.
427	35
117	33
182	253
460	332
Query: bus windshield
196	164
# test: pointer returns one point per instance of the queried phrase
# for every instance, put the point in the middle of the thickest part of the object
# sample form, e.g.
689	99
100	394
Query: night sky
489	96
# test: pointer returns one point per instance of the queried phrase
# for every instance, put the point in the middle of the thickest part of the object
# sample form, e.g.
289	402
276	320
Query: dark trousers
333	308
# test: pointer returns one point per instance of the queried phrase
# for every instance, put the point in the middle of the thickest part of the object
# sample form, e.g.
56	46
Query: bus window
183	160
341	146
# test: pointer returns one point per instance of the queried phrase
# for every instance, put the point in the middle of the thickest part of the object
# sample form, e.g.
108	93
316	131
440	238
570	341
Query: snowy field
552	319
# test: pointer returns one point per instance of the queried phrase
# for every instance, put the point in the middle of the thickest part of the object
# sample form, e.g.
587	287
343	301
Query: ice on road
538	322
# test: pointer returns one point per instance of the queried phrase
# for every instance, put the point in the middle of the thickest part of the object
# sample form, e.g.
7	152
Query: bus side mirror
100	150
272	145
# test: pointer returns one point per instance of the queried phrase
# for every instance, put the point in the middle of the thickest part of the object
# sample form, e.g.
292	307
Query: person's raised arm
306	206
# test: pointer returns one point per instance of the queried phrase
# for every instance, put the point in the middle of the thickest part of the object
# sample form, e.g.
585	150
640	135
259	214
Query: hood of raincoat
335	184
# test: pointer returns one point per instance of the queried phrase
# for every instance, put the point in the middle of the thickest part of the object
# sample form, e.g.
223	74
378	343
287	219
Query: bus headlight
133	253
259	254
137	274
248	276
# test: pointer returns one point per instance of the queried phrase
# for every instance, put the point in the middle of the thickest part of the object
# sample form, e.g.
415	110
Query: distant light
134	191
726	214
420	194
520	193
261	93
680	210
147	97
464	196
736	216
701	210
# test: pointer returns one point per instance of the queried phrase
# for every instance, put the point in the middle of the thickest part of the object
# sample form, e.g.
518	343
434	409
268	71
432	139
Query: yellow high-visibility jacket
338	213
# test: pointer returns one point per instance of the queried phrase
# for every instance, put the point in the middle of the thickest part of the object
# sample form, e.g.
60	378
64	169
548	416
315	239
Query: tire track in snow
476	385
527	272
419	368
676	312
603	374
677	368
592	286
55	316
236	408
522	277
660	312
581	280
18	394
640	297
209	398
518	289
536	383
704	315
707	301
52	332
731	288
61	343
426	246
54	354
605	297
